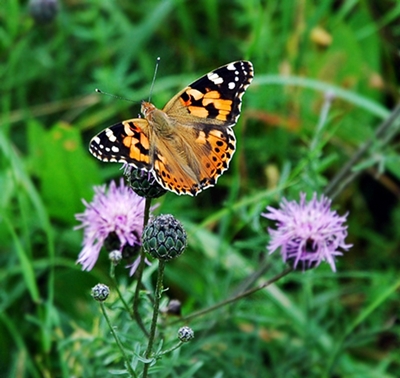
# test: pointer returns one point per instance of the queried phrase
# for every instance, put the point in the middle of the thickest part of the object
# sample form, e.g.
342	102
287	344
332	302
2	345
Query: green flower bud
185	334
115	256
143	183
164	238
100	292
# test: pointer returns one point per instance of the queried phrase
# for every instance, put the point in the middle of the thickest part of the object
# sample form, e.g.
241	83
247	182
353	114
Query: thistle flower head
307	232
113	219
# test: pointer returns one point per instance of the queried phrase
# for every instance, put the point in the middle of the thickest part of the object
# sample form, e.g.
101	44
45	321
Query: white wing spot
231	85
110	135
215	78
107	149
114	149
96	140
231	67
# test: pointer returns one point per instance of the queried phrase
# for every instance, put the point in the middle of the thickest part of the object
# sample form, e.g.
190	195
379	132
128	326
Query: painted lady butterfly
189	143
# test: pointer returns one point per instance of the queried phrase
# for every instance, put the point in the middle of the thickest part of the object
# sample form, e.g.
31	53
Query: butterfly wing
215	98
196	159
125	142
203	114
201	145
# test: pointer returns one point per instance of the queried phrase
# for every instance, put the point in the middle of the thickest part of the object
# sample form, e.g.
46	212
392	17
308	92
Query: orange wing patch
221	146
198	111
175	176
190	96
206	105
136	141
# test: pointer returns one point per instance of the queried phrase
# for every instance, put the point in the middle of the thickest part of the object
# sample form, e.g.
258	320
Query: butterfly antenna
114	96
154	77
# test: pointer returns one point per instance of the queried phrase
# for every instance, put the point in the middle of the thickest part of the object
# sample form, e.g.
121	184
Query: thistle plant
306	232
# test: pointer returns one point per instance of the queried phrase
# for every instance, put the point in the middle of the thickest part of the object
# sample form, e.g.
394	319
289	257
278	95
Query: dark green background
309	324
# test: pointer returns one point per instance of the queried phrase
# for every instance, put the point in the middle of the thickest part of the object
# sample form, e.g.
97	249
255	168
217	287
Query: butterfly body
189	143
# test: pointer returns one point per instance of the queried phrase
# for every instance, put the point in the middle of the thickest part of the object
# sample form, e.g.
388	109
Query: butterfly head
147	108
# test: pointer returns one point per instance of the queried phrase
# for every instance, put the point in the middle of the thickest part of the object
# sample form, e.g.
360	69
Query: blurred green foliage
310	324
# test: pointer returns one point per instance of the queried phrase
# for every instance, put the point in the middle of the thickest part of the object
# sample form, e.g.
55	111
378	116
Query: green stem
146	212
136	297
139	273
361	318
322	120
119	344
125	304
235	298
346	175
157	298
170	349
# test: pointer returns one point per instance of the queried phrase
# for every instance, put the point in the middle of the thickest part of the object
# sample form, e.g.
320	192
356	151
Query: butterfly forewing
215	96
124	142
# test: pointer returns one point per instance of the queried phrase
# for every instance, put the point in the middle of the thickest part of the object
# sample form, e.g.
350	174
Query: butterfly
189	143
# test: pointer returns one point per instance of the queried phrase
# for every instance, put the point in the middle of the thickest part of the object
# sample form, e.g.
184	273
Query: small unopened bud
185	334
100	292
115	257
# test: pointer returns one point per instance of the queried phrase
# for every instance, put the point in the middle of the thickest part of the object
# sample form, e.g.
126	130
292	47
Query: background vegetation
313	324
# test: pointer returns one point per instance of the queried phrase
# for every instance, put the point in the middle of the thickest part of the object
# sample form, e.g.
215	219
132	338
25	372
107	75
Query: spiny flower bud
185	334
143	183
164	238
100	292
115	257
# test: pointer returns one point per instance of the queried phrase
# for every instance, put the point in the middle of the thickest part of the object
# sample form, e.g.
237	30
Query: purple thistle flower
307	232
116	213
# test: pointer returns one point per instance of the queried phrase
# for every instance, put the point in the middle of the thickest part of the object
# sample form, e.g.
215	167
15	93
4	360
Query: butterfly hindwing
124	142
207	152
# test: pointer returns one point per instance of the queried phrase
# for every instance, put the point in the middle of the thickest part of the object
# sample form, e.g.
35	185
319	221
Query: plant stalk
117	340
234	298
157	299
139	271
345	175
